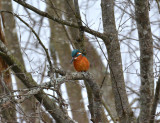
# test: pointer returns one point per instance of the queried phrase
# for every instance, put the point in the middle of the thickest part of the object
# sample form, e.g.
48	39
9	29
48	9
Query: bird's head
75	54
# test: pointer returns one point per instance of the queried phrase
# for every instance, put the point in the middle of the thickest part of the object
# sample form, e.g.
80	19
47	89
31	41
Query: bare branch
86	29
48	103
40	42
123	109
155	101
26	78
109	112
81	31
158	5
146	58
6	100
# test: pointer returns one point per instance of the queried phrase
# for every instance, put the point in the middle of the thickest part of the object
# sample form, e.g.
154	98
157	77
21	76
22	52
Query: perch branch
27	80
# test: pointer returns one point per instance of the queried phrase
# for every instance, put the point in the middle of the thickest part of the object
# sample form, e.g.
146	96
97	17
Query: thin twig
79	21
65	30
27	80
158	6
40	42
109	112
155	102
44	14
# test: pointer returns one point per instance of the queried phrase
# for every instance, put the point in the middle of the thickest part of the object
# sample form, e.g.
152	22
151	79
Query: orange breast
81	64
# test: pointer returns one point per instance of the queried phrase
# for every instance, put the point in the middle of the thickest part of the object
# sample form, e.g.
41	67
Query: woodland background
121	40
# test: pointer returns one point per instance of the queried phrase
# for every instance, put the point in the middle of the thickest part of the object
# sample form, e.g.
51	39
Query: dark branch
28	81
39	40
44	14
48	103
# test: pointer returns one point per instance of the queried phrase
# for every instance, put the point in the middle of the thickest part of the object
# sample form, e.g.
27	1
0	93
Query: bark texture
155	102
59	43
13	45
8	114
124	111
59	115
96	65
146	59
98	70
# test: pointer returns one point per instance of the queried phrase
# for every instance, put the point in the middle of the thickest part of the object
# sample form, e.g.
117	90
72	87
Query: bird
80	62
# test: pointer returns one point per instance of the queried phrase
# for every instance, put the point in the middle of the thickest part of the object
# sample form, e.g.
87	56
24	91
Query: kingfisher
81	63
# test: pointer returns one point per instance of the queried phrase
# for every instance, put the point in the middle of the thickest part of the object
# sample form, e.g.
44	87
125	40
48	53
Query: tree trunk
13	45
8	113
124	111
59	43
96	65
146	59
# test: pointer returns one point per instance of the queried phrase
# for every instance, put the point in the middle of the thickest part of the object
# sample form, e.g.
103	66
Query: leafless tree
123	52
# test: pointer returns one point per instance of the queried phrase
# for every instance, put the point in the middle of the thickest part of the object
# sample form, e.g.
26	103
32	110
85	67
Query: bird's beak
72	59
